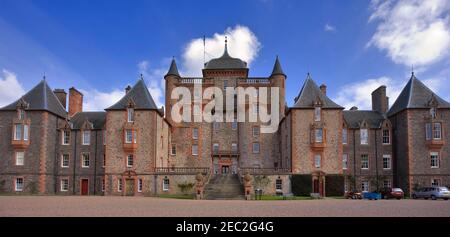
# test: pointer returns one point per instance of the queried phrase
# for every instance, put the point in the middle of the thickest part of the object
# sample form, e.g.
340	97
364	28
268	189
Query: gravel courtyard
146	206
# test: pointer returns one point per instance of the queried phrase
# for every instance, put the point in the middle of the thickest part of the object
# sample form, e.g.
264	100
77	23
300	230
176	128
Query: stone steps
224	187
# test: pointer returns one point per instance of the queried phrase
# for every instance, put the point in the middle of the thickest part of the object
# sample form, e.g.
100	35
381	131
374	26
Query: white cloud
329	28
155	80
242	43
10	88
359	94
95	100
412	32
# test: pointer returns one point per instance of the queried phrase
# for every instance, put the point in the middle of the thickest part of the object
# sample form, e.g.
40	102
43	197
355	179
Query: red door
316	186
84	187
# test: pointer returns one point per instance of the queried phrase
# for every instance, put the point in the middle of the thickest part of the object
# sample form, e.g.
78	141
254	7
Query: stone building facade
135	148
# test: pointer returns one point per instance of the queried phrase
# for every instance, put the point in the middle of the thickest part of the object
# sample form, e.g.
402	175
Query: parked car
353	195
396	193
371	195
432	192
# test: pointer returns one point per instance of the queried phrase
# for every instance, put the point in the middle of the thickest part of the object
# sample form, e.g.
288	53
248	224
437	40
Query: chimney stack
323	88
380	102
62	96
75	101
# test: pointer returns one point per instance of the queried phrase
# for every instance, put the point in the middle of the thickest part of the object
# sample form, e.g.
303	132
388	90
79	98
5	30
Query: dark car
387	193
353	195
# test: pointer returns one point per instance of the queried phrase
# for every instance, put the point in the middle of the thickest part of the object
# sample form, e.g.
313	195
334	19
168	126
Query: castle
135	148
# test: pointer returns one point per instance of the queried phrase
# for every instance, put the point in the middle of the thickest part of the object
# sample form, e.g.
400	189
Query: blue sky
101	46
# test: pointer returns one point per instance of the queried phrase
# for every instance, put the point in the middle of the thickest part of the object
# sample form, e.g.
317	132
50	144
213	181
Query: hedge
334	185
301	184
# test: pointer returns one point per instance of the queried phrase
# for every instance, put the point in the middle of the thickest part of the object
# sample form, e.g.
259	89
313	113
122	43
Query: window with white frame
435	182
386	136
25	132
255	131
216	148
433	131
64	185
437	135
86	137
365	186
65	138
165	184
103	185
195	133
234	147
20	158
364	161
130	115
255	148
19	185
65	160
317	111
128	136
173	149
387	161
344	161
386	183
434	159
18	132
234	125
85	161
279	184
140	185
344	136
364	136
195	150
317	161
119	185
318	134
130	160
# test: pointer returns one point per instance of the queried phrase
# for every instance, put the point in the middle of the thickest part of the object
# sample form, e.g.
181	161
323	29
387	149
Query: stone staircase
224	187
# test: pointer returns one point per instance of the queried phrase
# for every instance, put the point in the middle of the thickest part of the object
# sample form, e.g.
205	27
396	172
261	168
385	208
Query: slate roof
277	70
140	96
226	62
96	118
173	70
309	94
415	95
41	97
354	118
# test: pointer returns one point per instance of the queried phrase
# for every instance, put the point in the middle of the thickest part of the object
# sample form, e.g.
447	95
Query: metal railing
181	170
261	171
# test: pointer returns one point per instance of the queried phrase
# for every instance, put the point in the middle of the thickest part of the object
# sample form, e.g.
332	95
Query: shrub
301	184
334	185
186	187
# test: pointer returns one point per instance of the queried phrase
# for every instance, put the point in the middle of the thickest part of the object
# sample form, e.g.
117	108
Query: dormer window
433	112
364	136
130	115
21	114
86	137
317	114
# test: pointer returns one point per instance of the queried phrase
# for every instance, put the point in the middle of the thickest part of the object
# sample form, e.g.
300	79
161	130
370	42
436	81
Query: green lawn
176	196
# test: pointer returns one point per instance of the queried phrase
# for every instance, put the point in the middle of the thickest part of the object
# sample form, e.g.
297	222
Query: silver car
432	192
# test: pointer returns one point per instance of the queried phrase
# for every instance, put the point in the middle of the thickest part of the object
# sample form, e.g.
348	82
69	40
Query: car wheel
414	196
433	197
445	199
399	198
